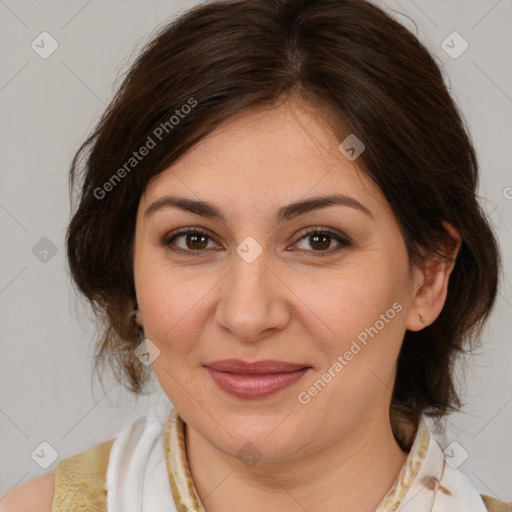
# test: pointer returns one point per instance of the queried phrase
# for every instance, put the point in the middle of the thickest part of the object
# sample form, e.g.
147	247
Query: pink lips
254	380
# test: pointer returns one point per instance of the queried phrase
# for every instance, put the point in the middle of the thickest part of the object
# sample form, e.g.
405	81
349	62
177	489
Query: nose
254	301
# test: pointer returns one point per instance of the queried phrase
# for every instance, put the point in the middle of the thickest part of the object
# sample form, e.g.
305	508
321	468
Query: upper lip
255	368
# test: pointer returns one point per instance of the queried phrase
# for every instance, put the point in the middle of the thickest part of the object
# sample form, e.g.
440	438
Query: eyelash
344	242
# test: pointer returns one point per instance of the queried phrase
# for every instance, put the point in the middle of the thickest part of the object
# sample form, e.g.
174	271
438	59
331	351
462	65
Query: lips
256	368
254	380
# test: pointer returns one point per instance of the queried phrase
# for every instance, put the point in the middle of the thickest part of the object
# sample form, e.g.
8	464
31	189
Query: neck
354	472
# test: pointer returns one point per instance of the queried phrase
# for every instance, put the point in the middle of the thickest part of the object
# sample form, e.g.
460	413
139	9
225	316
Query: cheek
358	325
343	304
167	310
172	302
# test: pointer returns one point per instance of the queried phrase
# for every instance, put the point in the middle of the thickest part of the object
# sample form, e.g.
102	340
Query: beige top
425	480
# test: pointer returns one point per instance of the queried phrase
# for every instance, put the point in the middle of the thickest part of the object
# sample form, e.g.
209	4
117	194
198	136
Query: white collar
426	481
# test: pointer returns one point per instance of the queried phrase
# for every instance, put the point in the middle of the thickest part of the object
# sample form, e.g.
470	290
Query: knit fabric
80	480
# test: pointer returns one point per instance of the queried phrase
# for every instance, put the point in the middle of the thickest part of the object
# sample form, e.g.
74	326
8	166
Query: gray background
48	106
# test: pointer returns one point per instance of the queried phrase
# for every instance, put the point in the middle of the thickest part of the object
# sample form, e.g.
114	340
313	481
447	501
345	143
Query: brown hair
372	74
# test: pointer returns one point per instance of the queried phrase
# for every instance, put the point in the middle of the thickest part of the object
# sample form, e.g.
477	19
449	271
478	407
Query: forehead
268	157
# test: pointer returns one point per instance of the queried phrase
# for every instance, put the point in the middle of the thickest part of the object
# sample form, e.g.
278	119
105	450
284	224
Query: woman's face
255	287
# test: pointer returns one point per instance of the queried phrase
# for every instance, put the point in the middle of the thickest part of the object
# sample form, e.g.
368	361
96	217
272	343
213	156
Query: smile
255	380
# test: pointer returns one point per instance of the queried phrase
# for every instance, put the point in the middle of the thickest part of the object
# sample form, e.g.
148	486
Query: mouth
254	380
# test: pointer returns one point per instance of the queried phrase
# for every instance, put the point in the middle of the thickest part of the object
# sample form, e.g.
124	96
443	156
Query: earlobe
137	315
430	294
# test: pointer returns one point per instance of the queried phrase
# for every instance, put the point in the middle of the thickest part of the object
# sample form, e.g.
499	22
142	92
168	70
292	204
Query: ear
431	282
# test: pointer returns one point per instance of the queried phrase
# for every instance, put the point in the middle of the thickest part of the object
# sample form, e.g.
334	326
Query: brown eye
321	240
194	241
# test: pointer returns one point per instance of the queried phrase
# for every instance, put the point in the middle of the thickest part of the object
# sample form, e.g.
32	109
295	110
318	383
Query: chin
269	439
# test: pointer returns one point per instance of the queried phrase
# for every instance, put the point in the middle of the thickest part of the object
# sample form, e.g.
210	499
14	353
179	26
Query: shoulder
36	495
80	480
77	483
87	471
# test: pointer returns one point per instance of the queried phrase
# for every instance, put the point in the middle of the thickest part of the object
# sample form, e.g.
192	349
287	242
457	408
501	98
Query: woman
277	214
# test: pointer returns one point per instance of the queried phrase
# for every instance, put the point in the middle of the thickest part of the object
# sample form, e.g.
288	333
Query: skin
36	495
336	452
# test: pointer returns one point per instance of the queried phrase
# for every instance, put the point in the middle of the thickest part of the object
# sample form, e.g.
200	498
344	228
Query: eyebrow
288	212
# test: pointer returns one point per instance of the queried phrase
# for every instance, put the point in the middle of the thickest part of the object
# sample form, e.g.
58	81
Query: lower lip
254	386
